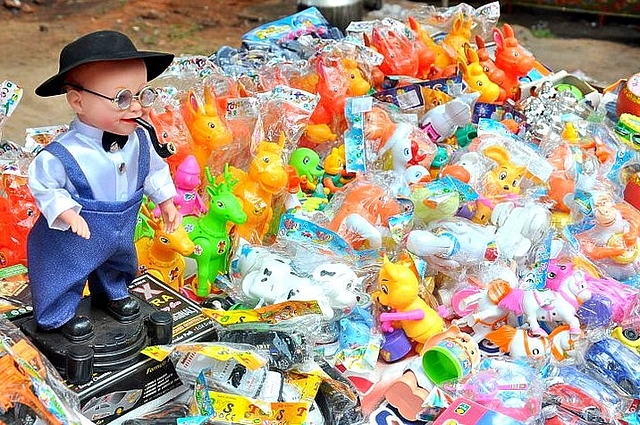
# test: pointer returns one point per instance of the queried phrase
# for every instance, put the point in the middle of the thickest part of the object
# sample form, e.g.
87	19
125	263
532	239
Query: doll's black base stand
113	346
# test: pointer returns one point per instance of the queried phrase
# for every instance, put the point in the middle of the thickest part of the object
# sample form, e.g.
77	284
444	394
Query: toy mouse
89	182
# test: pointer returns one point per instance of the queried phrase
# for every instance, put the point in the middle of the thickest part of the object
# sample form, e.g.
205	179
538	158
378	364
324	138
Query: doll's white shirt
113	176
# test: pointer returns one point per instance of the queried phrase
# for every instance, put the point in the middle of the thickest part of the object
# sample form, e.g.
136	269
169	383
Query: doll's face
107	78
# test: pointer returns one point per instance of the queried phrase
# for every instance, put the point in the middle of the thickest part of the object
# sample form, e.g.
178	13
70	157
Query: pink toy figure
568	282
473	74
163	255
364	208
208	131
512	58
489	67
266	177
187	181
170	127
398	290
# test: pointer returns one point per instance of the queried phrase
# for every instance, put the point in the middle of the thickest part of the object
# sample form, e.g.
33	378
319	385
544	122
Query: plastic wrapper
506	386
30	380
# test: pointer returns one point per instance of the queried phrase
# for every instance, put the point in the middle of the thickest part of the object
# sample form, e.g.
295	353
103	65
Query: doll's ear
74	100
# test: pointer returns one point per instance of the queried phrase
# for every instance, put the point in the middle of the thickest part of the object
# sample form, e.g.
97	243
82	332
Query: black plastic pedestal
113	346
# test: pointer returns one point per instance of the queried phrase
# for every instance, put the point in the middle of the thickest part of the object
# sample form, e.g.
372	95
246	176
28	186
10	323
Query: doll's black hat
101	46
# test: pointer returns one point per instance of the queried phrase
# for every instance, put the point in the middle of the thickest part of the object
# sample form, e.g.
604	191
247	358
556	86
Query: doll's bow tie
113	142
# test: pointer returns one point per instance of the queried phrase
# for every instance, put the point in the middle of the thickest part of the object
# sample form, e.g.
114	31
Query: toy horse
534	305
210	234
163	255
520	343
208	131
474	75
512	58
569	283
364	208
266	177
398	290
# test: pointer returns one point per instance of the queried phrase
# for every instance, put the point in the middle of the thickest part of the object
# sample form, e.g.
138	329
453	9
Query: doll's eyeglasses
146	96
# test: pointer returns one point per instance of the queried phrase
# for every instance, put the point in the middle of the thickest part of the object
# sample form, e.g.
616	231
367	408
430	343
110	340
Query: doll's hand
77	224
170	216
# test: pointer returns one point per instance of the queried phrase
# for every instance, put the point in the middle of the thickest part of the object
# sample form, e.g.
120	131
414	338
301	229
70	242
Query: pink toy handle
385	318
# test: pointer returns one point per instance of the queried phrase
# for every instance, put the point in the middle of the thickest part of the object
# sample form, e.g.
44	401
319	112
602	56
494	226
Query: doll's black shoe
124	310
77	329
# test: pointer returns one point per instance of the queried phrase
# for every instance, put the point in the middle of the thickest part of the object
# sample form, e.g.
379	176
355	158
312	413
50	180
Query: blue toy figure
89	182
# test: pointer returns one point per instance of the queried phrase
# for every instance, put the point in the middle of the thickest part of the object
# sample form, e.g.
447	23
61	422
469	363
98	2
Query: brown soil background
602	51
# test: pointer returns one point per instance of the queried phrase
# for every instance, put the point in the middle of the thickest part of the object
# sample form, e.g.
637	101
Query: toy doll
89	182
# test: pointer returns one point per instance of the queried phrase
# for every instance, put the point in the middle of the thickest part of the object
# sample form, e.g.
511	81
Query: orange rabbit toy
512	58
208	130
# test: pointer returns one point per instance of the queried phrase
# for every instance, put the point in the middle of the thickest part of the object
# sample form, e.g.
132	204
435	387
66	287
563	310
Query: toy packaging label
15	297
189	323
308	21
109	395
466	412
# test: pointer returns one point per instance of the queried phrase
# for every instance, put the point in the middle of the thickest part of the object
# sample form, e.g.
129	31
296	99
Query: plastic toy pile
414	222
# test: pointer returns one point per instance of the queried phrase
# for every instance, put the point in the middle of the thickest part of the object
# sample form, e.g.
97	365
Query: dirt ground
33	35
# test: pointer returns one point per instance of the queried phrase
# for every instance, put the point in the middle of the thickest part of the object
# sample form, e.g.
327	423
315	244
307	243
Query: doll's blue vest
60	262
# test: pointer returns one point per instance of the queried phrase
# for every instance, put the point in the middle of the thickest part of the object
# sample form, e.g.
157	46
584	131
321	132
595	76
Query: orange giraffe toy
443	65
458	36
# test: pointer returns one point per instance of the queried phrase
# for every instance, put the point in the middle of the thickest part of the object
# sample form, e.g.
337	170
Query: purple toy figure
89	182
